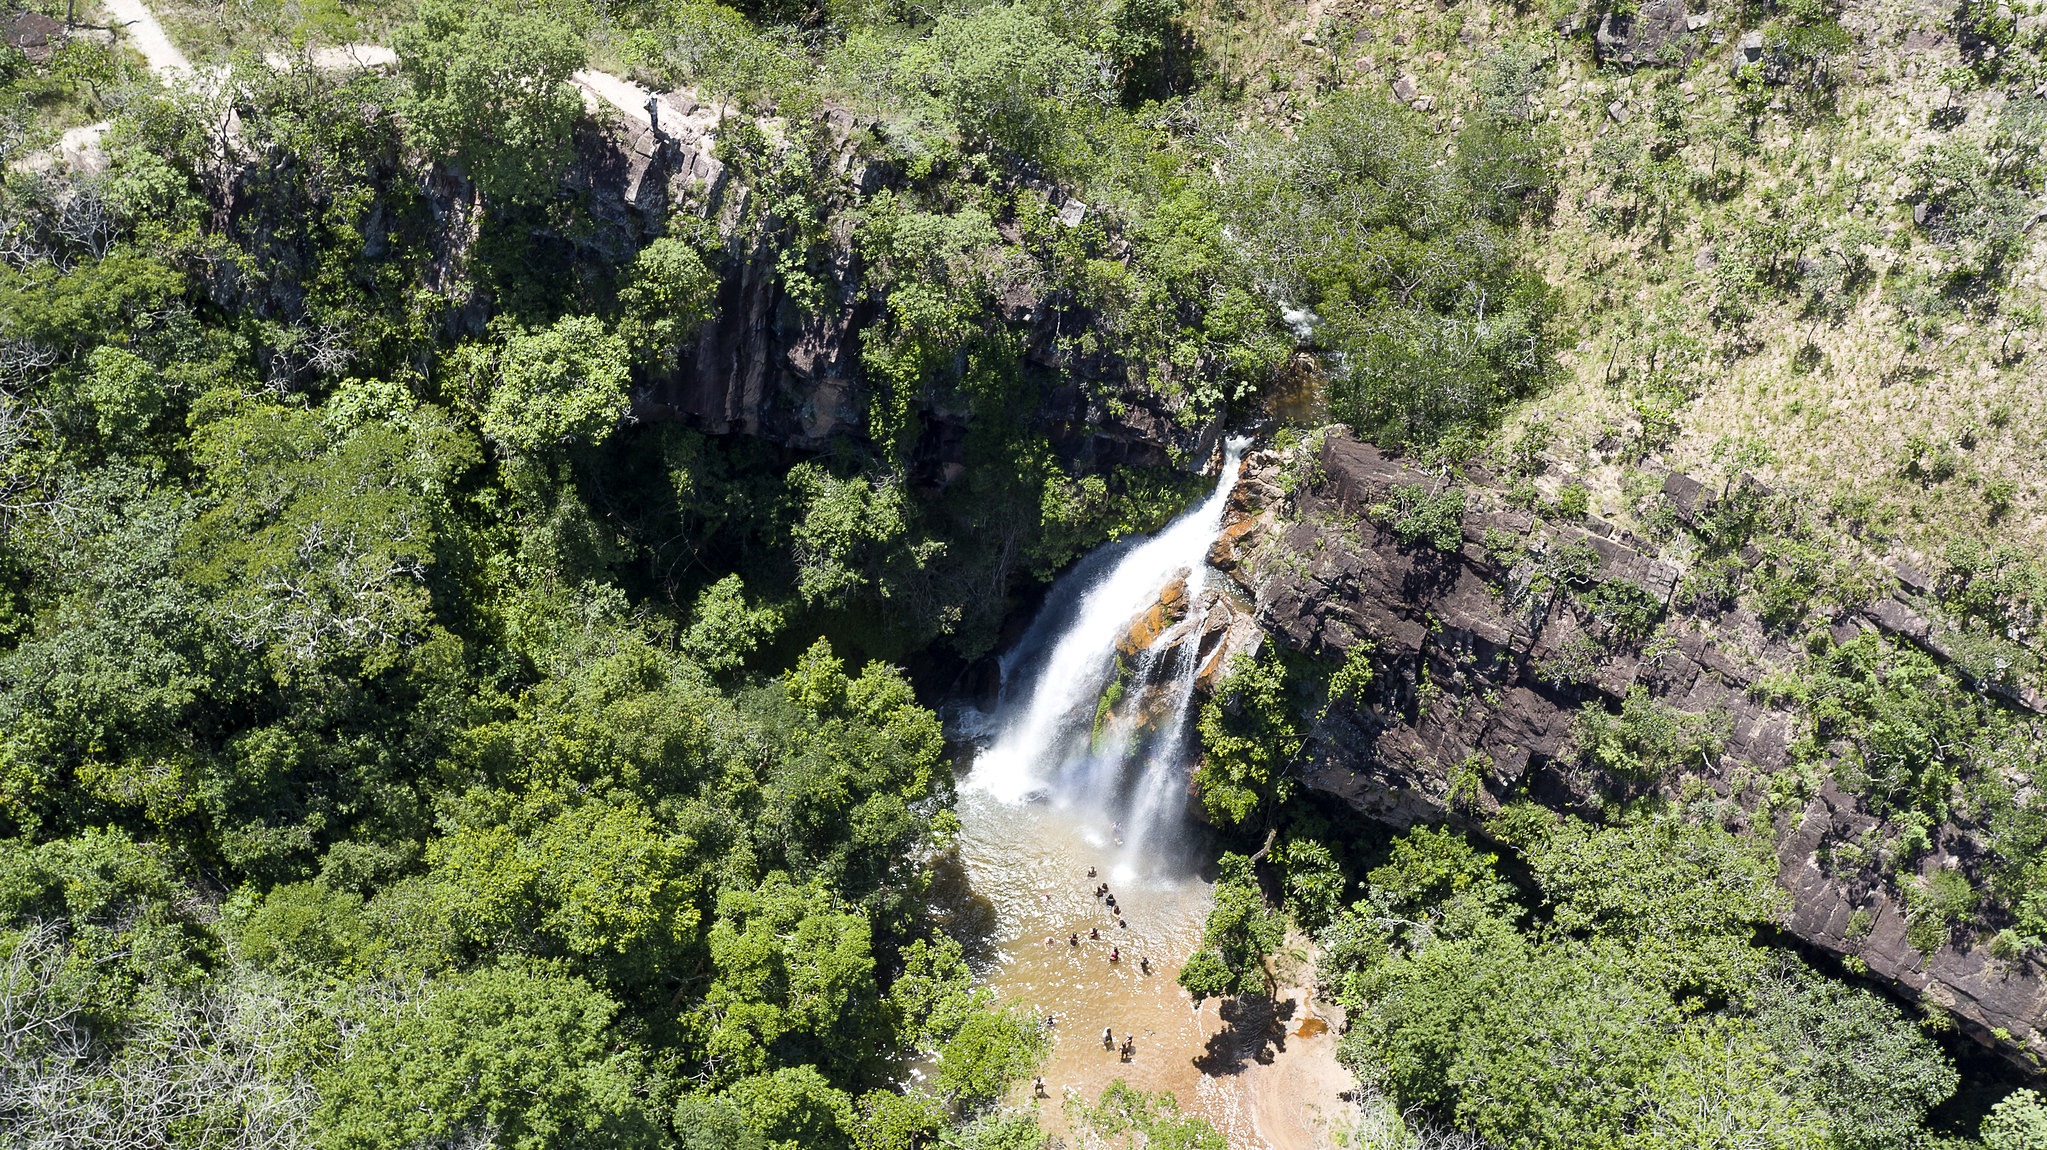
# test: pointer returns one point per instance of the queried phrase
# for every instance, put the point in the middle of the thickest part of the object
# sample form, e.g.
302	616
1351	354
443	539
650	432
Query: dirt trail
147	36
79	149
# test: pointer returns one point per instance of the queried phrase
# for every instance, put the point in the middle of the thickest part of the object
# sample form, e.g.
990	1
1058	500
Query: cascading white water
1049	741
1076	881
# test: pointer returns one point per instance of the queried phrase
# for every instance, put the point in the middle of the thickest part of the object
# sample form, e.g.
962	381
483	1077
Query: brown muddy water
1081	763
1266	1077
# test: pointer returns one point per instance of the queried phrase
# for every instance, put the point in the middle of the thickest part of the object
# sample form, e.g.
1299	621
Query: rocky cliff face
1458	657
766	367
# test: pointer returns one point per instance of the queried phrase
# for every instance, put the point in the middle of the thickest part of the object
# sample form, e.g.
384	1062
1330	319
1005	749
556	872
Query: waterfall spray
1057	735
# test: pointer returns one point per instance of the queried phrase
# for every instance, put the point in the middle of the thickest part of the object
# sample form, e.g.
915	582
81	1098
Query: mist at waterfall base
1062	781
1101	735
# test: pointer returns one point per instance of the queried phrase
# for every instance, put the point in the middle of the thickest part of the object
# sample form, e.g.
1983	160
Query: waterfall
1080	728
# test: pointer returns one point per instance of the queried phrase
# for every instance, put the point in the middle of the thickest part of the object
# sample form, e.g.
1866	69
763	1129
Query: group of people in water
1127	1049
1094	934
1125	1052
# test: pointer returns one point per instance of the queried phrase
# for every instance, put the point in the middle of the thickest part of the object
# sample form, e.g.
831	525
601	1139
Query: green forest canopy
402	745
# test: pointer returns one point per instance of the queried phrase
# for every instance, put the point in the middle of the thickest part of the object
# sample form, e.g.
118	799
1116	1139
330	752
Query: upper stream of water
1084	763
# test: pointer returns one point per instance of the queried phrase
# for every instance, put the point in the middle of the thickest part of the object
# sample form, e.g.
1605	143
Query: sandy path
147	36
342	57
80	147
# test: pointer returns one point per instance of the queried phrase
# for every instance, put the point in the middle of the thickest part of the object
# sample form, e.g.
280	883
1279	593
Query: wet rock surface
1459	692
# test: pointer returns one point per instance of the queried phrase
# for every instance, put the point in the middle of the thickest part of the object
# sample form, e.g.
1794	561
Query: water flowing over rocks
1457	676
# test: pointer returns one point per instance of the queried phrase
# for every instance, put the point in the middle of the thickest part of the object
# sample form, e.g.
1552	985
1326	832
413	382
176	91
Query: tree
594	877
561	386
1006	77
1238	940
723	630
937	271
1722	1090
1526	1045
844	529
1431	317
315	550
1142	37
1124	1116
992	1050
488	87
523	1057
2017	1122
792	981
1685	898
1854	1055
1249	737
795	1108
669	294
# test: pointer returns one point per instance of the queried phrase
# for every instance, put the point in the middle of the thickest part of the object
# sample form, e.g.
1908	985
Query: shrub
1430	317
2017	1122
1249	736
1648	739
1415	515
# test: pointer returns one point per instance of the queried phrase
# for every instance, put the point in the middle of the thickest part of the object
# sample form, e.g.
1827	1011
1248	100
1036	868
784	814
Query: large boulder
1169	608
1654	32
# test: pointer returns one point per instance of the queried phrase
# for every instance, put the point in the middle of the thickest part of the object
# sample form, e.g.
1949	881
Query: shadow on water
967	916
1254	1030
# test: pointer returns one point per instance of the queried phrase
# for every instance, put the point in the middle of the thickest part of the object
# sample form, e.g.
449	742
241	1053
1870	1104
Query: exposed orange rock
1145	630
1224	553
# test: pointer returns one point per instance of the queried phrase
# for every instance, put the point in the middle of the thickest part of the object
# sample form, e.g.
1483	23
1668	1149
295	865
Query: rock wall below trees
1457	650
792	374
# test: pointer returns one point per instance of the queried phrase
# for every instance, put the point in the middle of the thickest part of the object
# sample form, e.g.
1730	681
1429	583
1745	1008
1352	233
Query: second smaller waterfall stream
1094	712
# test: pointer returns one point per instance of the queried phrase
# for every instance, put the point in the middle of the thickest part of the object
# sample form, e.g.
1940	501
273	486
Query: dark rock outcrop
766	367
1459	656
1654	32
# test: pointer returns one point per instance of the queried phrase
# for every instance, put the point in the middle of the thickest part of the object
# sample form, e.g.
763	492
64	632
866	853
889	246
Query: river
1079	780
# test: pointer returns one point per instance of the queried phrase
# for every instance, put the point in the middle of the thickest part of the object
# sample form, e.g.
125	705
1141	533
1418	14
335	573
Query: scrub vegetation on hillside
407	740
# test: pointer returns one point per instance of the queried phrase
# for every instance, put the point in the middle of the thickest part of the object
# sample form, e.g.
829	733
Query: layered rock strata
1458	642
791	374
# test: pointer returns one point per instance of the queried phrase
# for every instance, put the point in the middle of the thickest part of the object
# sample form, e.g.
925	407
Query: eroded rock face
766	367
1458	662
1170	608
792	374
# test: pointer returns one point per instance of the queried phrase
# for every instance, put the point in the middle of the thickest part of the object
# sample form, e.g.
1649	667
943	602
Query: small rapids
1084	765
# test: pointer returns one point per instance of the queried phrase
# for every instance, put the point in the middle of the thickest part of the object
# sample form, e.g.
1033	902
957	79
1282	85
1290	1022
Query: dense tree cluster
403	744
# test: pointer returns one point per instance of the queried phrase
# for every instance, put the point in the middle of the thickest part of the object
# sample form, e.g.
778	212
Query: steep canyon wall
1458	651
